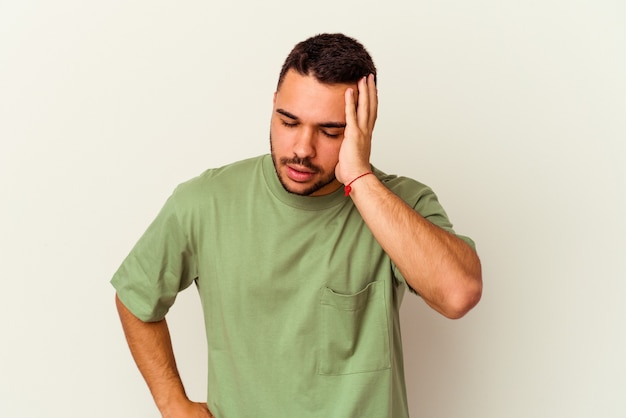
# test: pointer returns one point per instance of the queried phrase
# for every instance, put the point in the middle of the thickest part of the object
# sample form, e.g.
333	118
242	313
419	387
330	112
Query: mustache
304	162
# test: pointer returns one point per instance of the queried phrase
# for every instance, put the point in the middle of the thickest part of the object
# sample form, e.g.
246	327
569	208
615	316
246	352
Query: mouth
299	173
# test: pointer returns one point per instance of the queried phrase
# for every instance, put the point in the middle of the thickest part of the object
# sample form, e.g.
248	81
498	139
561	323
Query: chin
311	189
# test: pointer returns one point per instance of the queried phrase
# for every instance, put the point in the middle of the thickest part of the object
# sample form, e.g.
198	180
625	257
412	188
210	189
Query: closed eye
289	124
329	135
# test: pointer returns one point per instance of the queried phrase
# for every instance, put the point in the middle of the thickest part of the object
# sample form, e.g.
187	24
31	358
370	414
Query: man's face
306	133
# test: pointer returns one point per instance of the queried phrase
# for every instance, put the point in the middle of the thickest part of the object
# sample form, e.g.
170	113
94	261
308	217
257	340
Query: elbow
463	299
467	292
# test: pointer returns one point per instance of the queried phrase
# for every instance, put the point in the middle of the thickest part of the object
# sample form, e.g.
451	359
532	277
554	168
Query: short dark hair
331	58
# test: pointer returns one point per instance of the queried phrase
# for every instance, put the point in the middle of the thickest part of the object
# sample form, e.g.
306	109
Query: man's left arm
441	267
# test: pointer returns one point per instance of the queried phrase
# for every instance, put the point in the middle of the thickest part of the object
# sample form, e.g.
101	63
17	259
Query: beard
305	162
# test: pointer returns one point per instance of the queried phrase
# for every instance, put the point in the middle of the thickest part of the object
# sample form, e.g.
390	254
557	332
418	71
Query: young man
301	259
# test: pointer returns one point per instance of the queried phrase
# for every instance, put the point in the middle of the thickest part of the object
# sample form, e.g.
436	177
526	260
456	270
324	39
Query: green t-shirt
301	304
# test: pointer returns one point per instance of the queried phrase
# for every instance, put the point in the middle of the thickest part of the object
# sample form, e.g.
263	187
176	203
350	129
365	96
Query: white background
514	112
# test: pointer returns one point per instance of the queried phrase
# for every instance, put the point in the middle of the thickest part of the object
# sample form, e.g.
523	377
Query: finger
373	101
363	108
350	108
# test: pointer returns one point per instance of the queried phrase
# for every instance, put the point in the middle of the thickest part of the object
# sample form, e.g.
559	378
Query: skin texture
151	347
442	268
306	133
321	138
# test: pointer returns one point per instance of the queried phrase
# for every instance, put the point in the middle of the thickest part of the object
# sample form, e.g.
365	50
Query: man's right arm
151	347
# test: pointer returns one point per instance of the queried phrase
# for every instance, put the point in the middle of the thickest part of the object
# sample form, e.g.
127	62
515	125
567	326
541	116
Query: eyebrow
322	125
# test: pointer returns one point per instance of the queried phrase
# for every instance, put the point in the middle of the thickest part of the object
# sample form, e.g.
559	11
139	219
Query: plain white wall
514	112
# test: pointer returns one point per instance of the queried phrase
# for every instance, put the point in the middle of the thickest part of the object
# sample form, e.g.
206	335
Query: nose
304	145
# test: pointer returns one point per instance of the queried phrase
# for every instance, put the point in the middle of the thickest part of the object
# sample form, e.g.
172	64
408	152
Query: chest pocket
355	335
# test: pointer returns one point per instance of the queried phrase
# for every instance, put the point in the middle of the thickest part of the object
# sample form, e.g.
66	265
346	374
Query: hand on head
361	112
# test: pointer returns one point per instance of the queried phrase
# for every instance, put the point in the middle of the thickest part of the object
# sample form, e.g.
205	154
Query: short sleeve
429	207
425	202
161	264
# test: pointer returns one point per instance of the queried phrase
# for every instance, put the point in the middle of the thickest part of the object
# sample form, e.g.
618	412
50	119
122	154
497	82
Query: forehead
310	100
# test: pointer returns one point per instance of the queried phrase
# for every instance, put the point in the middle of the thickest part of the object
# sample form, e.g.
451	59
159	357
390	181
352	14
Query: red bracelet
348	189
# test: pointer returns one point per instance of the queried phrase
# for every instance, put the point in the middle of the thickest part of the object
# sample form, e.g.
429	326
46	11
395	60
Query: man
301	260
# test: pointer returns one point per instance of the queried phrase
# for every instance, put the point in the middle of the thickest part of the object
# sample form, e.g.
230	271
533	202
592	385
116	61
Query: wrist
348	186
171	403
